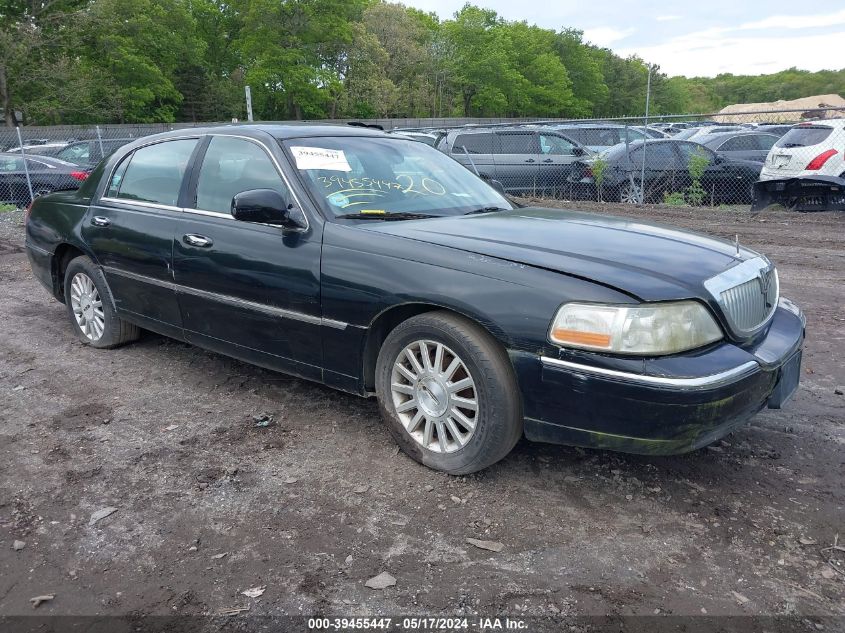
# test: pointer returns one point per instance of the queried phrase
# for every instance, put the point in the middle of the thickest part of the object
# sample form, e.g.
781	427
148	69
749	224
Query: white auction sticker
320	158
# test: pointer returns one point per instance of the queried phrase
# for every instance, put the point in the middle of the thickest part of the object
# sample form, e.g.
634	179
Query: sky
743	37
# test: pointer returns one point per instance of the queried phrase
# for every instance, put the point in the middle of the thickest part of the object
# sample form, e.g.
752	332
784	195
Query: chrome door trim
699	382
232	301
141	203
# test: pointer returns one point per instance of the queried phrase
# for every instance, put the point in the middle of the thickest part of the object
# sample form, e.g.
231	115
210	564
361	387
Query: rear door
475	152
516	155
130	231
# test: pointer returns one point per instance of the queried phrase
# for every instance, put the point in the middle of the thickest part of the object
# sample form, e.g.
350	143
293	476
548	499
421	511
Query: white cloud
713	51
667	18
796	22
606	35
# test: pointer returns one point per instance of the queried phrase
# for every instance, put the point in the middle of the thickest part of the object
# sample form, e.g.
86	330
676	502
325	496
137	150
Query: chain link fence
695	160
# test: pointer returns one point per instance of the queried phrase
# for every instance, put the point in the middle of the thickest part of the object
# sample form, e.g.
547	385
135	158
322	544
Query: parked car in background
691	133
599	136
46	174
808	149
526	161
87	154
429	138
667	171
40	149
774	128
651	132
746	145
310	250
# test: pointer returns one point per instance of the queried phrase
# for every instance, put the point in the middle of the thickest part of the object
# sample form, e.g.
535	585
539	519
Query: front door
517	158
130	230
248	290
556	157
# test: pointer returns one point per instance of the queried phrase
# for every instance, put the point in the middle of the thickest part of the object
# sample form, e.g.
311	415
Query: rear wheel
91	308
448	393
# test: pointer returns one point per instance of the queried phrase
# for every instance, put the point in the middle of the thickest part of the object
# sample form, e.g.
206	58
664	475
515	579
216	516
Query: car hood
648	261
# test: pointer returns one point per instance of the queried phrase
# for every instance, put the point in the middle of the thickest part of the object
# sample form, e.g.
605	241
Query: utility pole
248	93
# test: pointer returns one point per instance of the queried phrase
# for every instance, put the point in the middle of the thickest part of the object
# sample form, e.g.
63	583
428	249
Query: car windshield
359	175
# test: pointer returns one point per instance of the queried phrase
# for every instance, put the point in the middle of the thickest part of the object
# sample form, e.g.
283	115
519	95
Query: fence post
645	142
25	166
100	141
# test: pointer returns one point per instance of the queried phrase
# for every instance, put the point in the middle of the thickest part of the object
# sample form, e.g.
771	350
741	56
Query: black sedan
379	266
667	171
46	174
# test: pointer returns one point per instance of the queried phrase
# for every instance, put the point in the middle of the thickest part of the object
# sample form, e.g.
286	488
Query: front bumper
659	406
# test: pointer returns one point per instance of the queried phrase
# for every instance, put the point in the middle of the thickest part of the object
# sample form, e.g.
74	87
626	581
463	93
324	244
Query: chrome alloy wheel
87	306
435	396
632	193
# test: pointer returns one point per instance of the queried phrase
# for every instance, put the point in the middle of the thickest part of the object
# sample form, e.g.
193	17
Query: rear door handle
530	160
548	160
197	240
99	220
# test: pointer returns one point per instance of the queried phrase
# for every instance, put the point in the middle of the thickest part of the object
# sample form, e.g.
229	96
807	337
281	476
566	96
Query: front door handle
530	160
99	220
197	240
548	160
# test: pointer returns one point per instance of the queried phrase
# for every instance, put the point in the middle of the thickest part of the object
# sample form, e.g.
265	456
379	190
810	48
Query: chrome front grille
747	294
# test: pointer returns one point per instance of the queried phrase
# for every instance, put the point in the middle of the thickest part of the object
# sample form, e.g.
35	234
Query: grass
6	208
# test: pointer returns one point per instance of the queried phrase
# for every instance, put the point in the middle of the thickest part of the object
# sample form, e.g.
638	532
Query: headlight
647	330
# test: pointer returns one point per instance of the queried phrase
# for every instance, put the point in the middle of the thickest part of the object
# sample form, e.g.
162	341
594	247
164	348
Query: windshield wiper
385	215
485	210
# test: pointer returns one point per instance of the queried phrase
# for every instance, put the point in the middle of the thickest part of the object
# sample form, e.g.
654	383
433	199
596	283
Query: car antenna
736	243
471	162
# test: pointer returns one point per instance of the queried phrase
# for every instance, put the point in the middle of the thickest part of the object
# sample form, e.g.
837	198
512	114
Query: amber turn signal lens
581	338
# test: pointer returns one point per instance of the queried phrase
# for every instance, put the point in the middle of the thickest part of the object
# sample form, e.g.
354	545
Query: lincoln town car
379	266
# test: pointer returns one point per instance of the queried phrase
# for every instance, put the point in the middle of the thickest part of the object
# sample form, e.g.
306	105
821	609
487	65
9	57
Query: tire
427	411
91	308
630	193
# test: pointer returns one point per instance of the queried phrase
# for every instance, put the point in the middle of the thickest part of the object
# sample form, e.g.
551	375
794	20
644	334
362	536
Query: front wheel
631	192
448	393
91	309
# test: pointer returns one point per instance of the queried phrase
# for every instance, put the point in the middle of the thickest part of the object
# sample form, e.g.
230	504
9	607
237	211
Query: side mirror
720	158
265	206
578	151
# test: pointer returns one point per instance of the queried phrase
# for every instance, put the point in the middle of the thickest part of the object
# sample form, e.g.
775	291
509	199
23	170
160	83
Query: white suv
808	149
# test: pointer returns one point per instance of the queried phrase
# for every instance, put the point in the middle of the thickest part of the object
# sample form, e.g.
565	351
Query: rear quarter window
474	144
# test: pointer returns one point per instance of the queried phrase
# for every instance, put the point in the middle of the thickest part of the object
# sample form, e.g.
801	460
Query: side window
518	143
556	145
11	164
155	172
117	178
688	150
474	143
739	144
766	141
657	156
76	152
232	165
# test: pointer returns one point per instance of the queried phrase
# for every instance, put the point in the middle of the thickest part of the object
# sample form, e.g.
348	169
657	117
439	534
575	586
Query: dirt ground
210	504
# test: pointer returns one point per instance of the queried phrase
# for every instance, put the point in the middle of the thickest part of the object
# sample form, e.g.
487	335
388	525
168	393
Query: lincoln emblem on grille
765	277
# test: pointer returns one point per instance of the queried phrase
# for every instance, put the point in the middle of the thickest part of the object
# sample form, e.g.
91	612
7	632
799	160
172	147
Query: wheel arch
62	256
387	320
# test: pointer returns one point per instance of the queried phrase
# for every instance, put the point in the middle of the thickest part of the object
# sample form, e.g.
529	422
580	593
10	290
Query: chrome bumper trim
699	382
